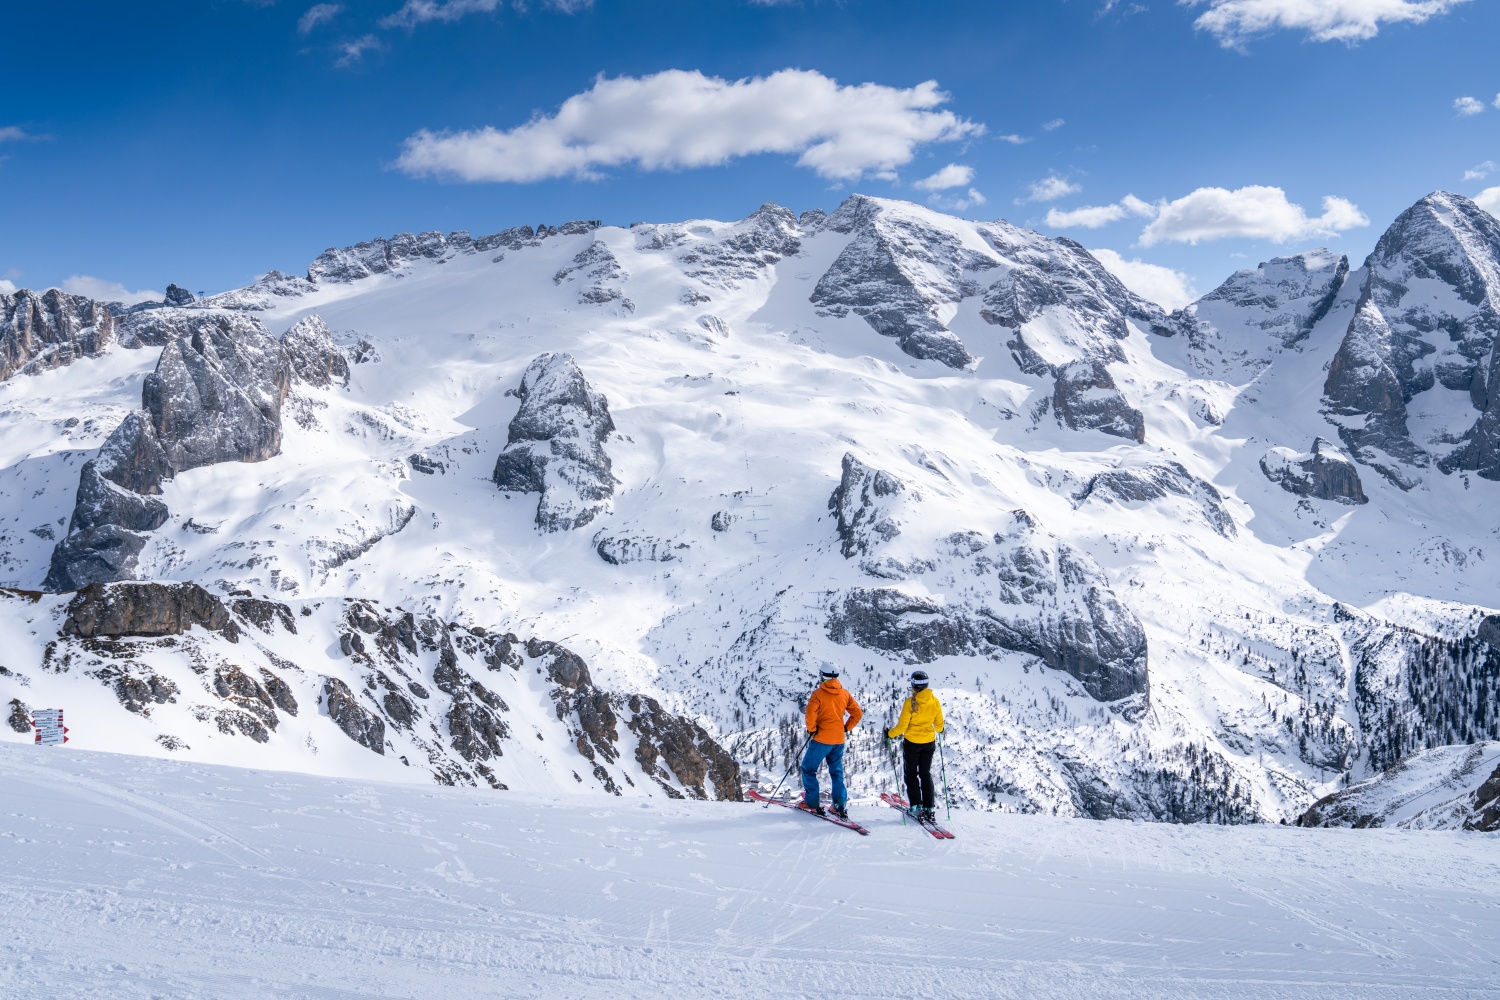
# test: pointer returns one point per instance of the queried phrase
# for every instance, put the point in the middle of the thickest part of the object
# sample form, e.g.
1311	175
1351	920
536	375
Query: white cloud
317	14
678	118
1489	200
958	203
1254	212
1087	217
1234	22
952	176
1480	171
353	50
1054	125
7	287
1168	288
1051	188
1098	216
415	12
1013	139
107	291
13	133
1497	101
1468	106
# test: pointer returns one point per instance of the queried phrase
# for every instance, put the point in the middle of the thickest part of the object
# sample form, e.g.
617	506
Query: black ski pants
918	760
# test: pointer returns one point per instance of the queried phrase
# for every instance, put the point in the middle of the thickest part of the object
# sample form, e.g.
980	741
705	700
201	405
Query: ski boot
841	810
815	810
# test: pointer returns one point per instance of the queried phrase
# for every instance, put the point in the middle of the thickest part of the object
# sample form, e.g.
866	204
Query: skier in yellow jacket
921	721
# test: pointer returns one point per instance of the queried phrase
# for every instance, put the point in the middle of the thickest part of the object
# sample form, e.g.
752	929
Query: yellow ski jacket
921	718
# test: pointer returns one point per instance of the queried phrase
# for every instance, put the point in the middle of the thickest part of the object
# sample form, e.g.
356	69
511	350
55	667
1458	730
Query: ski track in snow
129	877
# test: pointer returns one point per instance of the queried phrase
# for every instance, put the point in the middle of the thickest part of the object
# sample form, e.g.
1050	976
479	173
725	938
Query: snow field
129	877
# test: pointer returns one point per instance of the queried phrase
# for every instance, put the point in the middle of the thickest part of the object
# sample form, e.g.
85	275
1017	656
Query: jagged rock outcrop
864	505
1233	331
1084	396
215	397
555	445
599	275
1445	788
1041	597
338	265
312	354
145	609
357	722
617	550
178	296
1325	473
1148	482
41	330
1427	321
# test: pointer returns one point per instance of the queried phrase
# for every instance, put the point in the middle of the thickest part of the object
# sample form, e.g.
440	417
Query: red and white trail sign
48	723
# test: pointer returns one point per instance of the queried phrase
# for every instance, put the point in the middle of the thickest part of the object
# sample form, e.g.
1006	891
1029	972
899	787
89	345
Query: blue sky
206	142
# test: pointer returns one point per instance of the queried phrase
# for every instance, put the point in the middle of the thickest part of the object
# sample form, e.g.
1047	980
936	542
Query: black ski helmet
828	671
919	680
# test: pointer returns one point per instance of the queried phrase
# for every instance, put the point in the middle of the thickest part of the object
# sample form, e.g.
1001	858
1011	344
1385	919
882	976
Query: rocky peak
1325	472
50	329
1428	321
555	445
1235	328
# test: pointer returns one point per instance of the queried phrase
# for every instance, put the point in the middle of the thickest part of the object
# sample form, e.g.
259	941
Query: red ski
847	824
897	802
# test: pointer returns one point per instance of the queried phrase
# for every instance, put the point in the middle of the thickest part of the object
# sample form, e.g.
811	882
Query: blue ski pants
812	760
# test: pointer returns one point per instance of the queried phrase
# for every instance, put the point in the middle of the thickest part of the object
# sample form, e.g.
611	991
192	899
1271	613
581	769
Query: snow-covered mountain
1206	565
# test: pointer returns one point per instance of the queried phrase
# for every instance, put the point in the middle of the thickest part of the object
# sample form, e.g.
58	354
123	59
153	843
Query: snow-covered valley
128	878
1207	565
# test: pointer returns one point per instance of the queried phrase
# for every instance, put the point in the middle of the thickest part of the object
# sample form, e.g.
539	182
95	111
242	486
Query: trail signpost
48	723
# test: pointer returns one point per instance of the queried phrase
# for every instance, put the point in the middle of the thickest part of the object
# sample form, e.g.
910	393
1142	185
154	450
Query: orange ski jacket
826	708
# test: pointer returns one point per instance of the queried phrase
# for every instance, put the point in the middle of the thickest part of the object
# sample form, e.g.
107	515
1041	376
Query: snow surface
133	878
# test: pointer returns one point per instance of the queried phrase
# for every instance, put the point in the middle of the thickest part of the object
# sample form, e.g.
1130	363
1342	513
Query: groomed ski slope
128	877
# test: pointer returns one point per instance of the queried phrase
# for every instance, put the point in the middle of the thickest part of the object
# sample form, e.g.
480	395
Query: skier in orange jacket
831	713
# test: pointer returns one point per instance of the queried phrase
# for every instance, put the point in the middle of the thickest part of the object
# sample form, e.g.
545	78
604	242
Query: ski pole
795	761
891	756
943	757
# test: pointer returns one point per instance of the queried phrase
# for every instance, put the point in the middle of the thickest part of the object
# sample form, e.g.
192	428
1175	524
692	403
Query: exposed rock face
1445	788
145	609
1325	473
898	275
359	724
694	757
905	271
1428	320
178	296
599	275
864	504
1150	482
380	256
1085	397
1234	329
215	396
1036	595
617	550
50	329
555	445
312	354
